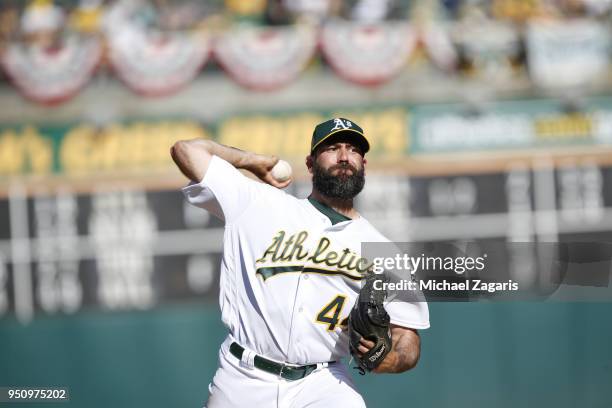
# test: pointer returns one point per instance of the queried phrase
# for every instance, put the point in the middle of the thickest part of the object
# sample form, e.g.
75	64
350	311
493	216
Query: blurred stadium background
490	121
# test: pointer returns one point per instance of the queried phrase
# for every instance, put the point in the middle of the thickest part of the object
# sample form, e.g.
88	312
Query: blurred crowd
20	19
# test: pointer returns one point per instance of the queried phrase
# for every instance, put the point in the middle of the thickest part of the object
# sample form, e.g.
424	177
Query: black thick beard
343	187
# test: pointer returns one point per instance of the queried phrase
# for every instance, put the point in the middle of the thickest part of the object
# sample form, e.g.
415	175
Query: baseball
281	171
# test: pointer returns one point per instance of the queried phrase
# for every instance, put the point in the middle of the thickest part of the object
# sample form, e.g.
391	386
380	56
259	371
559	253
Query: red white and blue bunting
55	74
568	53
153	63
367	54
266	58
439	46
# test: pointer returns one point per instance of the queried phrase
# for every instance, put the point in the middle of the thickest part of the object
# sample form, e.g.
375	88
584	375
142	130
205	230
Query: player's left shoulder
370	232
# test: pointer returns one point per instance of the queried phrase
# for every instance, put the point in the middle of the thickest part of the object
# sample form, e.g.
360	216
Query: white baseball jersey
290	270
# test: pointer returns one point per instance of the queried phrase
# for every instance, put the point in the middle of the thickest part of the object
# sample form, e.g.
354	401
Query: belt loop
280	373
248	359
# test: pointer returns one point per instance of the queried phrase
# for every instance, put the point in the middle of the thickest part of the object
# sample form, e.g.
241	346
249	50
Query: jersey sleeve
405	308
414	315
224	191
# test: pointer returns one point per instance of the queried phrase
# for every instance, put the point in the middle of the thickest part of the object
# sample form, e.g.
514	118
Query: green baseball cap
337	126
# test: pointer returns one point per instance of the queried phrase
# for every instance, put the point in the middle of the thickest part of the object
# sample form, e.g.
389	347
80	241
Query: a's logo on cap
341	124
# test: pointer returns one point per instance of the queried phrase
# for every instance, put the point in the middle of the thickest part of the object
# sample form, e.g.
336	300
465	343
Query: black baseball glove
369	319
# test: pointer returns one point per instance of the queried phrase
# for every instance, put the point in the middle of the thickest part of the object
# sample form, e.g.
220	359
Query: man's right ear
309	162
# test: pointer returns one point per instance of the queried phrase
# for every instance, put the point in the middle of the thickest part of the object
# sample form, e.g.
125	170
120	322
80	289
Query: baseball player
291	272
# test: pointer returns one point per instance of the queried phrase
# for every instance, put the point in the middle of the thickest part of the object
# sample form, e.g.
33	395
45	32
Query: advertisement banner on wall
396	133
142	146
509	126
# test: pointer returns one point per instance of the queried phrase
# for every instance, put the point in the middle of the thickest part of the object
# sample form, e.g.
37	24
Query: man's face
338	169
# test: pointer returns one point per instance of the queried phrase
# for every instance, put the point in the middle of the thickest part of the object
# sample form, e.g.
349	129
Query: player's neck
344	207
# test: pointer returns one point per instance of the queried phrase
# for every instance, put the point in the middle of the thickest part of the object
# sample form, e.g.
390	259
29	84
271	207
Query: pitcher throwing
291	273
